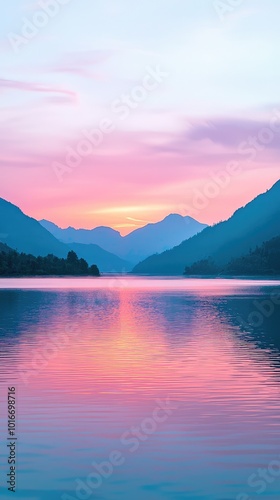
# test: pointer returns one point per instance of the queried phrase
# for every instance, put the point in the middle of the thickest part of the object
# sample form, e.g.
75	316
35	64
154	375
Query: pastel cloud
116	188
231	132
23	86
222	87
85	63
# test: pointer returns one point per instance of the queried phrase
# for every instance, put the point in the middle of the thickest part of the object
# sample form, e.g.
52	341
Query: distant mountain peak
25	234
249	226
137	245
173	216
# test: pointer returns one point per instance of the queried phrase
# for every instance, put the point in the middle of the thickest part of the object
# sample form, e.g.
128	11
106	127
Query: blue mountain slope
137	245
249	226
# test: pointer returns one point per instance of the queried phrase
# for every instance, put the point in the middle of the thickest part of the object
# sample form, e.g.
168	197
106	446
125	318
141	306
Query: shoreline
151	276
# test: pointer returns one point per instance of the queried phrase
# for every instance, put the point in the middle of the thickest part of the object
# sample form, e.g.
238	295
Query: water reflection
109	353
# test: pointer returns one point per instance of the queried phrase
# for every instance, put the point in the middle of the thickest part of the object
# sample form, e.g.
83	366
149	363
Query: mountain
264	260
160	236
105	237
27	235
138	244
249	226
24	234
4	248
107	262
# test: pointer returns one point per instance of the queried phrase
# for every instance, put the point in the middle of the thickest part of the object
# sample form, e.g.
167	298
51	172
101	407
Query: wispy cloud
23	86
83	63
228	132
136	208
138	220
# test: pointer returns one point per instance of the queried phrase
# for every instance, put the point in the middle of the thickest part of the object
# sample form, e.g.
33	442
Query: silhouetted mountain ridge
108	262
264	260
140	243
4	248
26	235
249	226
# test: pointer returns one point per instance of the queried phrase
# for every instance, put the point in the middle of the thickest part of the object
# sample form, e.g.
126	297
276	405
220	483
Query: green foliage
19	264
202	267
263	261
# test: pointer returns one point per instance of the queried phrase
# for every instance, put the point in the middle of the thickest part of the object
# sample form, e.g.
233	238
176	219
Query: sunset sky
182	87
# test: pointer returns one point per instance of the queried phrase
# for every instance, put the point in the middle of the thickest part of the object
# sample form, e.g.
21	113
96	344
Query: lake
142	388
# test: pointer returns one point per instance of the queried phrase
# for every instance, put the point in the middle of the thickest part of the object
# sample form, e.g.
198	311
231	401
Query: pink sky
182	100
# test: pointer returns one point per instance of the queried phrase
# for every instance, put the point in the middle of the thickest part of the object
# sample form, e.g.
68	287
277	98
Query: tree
72	257
14	264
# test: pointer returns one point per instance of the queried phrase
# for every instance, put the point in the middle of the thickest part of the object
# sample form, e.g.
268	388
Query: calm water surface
93	360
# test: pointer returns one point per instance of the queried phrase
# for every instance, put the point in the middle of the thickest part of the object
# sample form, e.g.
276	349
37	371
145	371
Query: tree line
13	263
263	261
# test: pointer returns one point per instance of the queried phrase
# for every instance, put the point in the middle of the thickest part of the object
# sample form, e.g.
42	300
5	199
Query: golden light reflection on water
127	347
